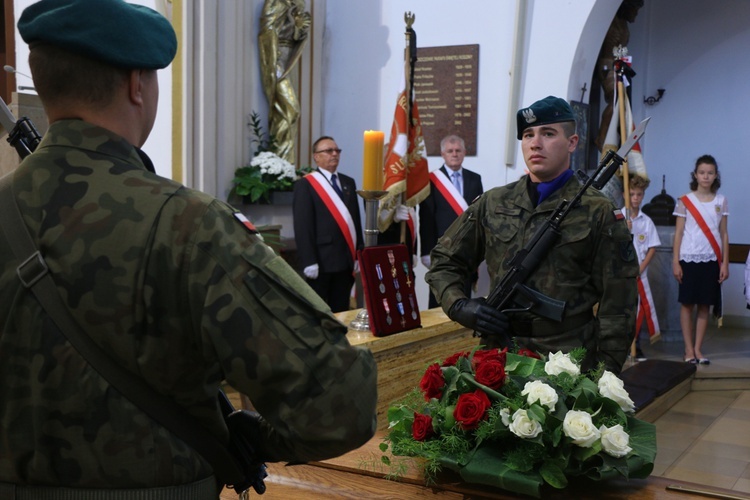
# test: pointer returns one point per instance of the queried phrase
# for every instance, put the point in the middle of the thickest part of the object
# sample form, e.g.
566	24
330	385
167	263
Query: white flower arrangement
271	165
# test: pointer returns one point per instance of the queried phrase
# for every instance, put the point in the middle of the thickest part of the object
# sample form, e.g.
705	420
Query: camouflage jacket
592	263
179	292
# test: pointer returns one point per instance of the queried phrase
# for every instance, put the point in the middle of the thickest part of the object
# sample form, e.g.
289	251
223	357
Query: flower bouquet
267	171
519	421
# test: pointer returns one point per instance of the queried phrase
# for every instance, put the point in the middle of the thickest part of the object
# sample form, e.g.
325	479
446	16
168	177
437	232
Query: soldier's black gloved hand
477	315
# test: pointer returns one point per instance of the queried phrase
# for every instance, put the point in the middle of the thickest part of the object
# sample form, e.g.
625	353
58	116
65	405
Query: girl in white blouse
700	259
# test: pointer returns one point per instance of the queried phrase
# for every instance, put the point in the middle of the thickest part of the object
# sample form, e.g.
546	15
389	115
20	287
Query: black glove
477	315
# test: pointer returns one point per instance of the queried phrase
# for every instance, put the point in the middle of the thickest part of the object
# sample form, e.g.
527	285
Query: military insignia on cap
245	222
529	115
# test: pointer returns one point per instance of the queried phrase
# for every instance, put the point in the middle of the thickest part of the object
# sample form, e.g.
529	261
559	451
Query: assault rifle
234	464
511	294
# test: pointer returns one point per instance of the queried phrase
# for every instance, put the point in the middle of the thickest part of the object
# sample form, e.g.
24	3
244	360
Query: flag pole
410	57
620	52
623	136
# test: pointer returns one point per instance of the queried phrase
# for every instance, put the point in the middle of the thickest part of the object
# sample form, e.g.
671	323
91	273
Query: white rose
579	427
539	391
615	441
505	416
524	427
559	363
610	386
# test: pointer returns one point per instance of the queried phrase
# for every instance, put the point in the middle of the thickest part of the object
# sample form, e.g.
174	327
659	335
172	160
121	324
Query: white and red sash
449	191
336	206
646	311
695	210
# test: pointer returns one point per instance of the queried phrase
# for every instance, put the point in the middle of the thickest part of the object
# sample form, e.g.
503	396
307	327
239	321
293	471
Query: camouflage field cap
112	31
551	109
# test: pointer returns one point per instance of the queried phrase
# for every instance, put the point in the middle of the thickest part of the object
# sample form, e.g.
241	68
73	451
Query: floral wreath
520	421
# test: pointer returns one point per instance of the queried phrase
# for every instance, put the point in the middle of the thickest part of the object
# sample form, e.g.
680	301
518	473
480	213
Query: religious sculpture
618	35
284	27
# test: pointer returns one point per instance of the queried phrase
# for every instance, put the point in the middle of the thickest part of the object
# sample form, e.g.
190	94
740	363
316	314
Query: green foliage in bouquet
519	421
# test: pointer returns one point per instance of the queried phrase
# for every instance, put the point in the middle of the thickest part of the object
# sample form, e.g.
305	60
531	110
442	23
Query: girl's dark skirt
700	283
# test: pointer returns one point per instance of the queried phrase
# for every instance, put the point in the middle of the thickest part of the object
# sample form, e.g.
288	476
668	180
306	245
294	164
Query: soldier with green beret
593	266
174	284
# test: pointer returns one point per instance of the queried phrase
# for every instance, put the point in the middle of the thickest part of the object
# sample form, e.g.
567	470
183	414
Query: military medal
413	309
398	293
392	260
401	311
387	311
380	278
406	272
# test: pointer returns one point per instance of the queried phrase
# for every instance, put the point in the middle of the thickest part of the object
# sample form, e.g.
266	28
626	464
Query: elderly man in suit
327	226
452	189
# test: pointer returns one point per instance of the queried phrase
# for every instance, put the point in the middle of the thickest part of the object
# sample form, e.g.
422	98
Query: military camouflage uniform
593	262
168	282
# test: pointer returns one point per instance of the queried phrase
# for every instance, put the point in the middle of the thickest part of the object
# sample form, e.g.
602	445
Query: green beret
121	34
548	110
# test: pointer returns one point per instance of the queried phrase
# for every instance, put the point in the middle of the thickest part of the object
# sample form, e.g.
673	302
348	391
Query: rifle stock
22	134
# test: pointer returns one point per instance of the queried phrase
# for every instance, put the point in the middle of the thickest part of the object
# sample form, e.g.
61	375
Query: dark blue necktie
335	184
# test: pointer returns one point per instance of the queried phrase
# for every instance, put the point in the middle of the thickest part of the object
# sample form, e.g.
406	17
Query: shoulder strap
34	275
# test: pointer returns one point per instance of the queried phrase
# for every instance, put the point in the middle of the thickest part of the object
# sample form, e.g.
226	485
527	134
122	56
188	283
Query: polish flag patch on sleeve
245	222
618	215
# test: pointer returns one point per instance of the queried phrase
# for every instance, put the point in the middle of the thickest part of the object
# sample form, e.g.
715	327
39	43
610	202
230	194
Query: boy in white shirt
645	241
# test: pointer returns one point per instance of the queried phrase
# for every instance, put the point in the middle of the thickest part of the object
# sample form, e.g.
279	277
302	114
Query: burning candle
372	178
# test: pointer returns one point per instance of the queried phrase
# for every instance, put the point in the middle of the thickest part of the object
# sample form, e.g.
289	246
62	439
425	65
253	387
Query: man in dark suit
327	226
452	189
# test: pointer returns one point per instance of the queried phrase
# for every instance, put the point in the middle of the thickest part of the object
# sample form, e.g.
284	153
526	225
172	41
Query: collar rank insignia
245	222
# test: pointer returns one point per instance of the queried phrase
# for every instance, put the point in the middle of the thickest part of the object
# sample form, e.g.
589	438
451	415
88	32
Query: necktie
335	184
457	181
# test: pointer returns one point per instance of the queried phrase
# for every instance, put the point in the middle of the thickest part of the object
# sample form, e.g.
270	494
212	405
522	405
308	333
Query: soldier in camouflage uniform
592	264
167	280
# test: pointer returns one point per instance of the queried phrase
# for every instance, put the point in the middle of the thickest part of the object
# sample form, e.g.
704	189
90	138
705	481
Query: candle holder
372	198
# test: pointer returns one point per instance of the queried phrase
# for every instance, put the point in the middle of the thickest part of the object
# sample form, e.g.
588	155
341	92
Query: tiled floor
705	437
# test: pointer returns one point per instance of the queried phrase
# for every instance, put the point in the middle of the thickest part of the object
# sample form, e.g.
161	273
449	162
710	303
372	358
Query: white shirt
695	246
645	235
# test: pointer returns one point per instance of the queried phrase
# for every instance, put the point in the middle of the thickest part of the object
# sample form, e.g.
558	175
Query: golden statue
284	26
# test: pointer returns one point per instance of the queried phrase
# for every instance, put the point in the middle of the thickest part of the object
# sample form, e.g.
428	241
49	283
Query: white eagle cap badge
529	115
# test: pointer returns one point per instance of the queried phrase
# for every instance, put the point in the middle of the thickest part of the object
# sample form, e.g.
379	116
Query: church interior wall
694	50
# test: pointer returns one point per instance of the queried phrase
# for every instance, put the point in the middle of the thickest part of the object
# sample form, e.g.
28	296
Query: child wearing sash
645	241
700	261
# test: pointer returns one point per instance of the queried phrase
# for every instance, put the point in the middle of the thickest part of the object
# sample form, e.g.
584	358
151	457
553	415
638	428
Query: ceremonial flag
636	165
406	171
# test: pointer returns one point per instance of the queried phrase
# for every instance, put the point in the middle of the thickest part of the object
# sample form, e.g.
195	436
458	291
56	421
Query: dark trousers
334	289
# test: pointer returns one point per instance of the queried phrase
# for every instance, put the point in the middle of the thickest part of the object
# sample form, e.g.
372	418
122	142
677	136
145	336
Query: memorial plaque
446	83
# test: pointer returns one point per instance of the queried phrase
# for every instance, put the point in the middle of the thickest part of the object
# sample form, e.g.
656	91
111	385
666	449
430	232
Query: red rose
496	354
432	382
421	428
528	353
491	373
471	408
453	359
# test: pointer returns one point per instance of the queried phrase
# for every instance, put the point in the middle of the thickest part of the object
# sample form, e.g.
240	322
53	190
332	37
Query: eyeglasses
328	151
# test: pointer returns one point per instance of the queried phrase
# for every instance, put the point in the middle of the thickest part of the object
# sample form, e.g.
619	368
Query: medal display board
388	282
